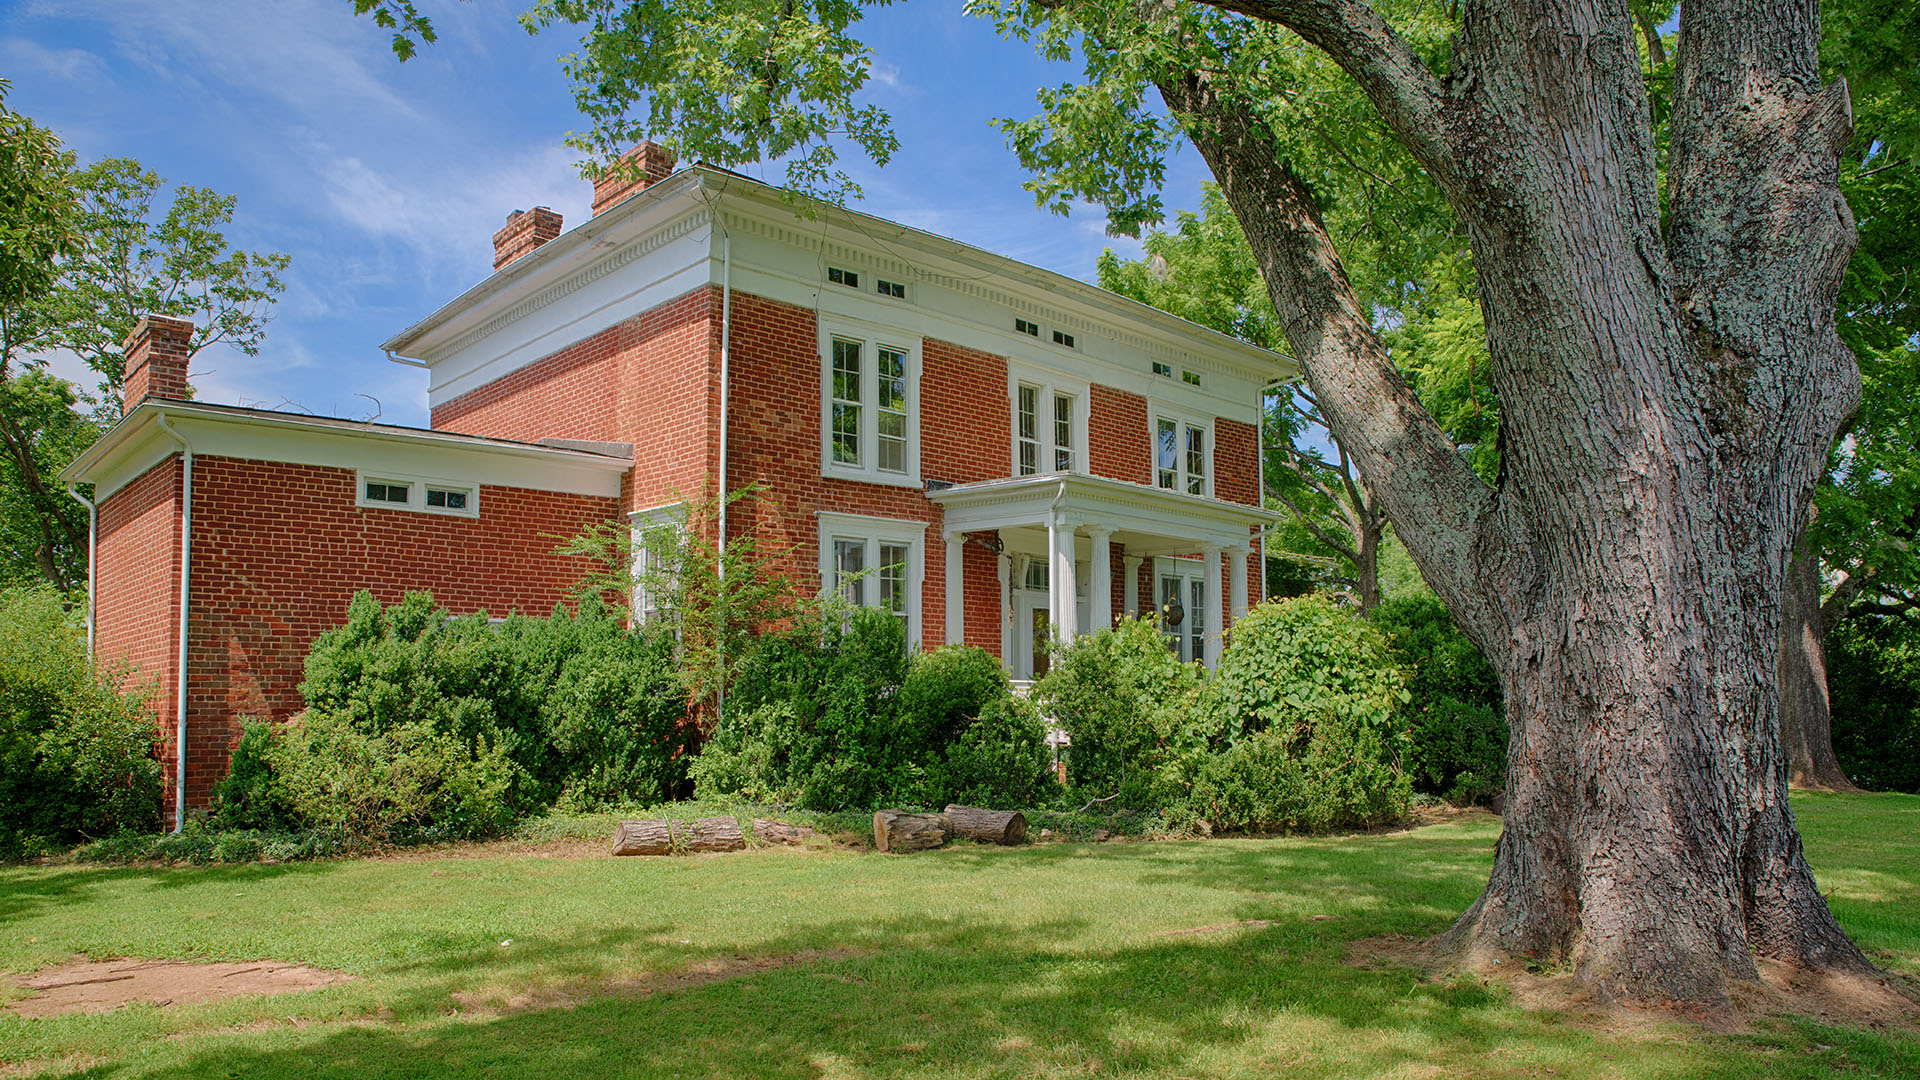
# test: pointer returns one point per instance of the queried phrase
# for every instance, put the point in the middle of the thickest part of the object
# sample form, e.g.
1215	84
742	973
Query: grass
1055	960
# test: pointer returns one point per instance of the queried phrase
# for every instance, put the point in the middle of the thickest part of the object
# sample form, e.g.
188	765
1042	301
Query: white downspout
720	541
186	577
93	543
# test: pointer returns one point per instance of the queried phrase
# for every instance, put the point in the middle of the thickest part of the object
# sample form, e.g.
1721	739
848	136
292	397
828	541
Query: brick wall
137	590
1236	476
1117	435
652	381
774	440
278	551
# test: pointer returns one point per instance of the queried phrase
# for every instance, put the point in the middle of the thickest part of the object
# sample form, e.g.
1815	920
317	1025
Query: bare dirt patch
644	984
1881	1004
105	985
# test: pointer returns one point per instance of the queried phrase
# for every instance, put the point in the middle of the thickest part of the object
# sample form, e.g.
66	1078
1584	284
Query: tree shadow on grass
28	890
924	997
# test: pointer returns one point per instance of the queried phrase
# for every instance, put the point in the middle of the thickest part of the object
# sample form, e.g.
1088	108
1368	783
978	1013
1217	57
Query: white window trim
1048	383
876	531
1157	412
417	486
871	336
639	523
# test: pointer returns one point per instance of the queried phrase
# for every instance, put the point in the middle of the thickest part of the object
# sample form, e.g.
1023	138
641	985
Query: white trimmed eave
1148	520
590	242
137	443
1092	309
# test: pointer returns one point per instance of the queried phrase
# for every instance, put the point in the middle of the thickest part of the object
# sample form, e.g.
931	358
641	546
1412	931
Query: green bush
814	718
1455	717
76	755
1000	760
1873	673
1300	665
251	796
1270	782
1129	705
947	689
375	785
576	703
1304	700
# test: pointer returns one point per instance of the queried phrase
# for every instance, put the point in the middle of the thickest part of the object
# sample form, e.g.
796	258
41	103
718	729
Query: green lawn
1052	960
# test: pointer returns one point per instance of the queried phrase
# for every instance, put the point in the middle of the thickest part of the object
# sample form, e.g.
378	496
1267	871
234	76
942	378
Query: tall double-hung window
1049	423
1180	452
871	411
874	562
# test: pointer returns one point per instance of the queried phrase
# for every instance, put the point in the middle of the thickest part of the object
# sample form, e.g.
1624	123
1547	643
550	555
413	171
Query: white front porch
1077	552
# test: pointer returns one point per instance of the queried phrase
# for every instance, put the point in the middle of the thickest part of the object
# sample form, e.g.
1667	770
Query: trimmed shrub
1304	699
1129	704
1300	665
76	755
1455	719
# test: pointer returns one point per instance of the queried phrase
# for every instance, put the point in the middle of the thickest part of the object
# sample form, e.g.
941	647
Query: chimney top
156	355
616	184
524	231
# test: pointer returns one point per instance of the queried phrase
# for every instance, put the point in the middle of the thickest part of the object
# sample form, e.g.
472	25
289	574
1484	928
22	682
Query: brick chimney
156	360
524	231
654	162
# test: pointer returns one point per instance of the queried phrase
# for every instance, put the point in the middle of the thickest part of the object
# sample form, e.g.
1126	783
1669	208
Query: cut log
712	834
988	826
779	832
898	832
643	838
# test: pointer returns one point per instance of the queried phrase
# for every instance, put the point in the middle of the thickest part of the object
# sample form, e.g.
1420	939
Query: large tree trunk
1668	403
1806	715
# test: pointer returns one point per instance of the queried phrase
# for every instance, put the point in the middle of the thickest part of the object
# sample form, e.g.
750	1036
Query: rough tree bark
1806	714
1669	397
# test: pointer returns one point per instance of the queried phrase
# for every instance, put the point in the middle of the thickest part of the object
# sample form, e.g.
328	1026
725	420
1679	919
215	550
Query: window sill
864	476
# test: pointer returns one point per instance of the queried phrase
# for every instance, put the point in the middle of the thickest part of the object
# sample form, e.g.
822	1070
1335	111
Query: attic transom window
890	288
843	277
1022	326
381	492
458	499
1192	378
1061	337
1165	371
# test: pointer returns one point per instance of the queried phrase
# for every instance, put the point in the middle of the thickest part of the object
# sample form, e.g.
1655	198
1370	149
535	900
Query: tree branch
1319	532
1444	511
1388	71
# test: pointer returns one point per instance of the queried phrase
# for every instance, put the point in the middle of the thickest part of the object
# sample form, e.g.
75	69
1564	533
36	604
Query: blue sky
385	181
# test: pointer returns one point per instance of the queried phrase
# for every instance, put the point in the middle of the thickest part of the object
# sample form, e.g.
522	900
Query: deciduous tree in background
1666	362
86	256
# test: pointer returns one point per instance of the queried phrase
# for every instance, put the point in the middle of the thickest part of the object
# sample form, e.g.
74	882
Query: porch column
1003	568
1130	565
1061	576
1100	580
1237	588
956	589
1210	571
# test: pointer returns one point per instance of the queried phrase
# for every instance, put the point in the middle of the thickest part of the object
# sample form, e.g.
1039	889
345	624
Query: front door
1187	638
1032	657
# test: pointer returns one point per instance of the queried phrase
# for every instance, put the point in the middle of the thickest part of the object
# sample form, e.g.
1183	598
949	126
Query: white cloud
23	56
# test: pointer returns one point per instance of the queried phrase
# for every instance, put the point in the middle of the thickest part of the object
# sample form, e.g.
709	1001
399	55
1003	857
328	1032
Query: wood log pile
896	831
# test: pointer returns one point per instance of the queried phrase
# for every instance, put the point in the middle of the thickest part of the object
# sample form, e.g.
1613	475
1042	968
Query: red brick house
967	430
